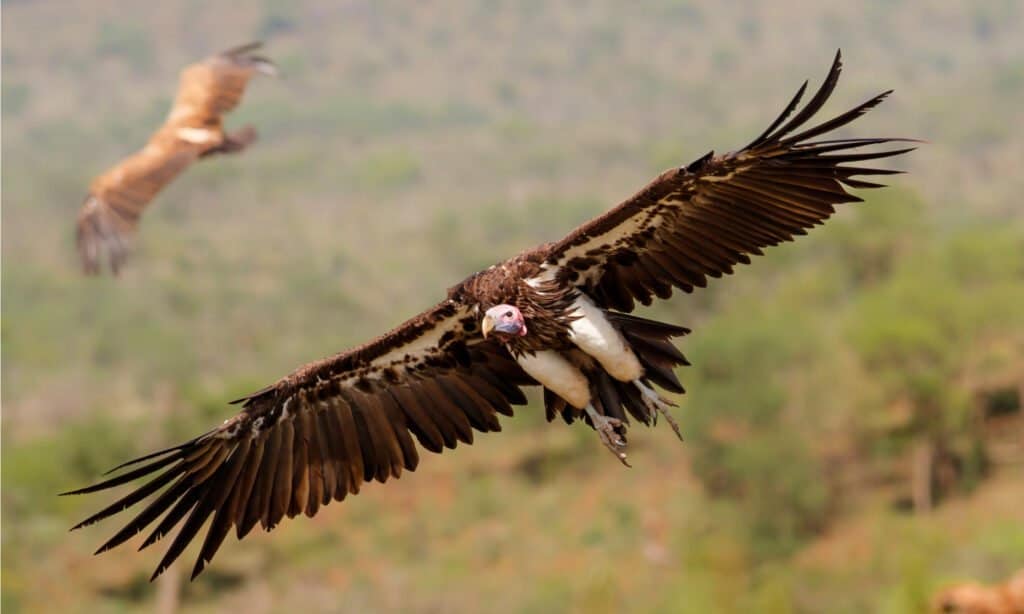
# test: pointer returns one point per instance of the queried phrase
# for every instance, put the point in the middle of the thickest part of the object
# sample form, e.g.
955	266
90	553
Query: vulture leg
611	431
233	142
656	404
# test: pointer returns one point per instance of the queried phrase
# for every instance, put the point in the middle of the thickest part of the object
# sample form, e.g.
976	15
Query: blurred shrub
385	170
15	97
1009	80
873	235
745	447
76	455
911	333
278	18
546	161
349	115
361	117
126	42
920	302
503	225
507	91
686	11
666	153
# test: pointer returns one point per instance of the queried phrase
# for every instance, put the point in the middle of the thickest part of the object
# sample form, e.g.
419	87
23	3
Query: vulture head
505	320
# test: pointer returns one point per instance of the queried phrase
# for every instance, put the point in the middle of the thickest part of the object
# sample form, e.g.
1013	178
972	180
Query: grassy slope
483	127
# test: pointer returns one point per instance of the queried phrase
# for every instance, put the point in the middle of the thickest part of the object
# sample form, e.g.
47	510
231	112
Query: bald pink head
504	319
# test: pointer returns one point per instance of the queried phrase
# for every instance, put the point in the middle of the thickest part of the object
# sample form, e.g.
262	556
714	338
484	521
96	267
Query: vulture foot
612	433
656	404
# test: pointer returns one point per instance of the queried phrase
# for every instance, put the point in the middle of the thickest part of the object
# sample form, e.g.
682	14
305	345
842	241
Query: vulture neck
548	310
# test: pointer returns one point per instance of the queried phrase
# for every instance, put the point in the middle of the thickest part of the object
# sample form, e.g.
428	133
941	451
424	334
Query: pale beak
514	329
487	325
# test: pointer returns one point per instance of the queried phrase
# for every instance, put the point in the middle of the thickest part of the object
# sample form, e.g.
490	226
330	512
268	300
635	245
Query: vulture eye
508	314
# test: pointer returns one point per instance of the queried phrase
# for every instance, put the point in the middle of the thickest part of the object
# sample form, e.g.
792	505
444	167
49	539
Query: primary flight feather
555	316
193	129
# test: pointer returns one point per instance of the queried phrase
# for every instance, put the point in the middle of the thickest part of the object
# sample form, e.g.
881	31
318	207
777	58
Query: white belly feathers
198	136
557	374
595	335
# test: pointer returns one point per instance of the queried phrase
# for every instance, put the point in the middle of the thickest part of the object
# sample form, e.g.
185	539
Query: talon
622	458
656	404
612	433
672	422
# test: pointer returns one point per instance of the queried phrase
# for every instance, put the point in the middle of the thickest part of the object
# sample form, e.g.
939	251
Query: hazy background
853	427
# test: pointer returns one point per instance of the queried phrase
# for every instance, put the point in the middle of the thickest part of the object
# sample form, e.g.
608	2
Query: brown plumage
556	316
193	129
974	598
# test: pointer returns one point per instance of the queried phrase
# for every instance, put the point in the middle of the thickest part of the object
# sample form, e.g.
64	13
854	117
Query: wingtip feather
243	48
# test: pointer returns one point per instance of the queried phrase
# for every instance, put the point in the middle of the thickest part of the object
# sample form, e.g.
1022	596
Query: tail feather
651	342
632	325
102	233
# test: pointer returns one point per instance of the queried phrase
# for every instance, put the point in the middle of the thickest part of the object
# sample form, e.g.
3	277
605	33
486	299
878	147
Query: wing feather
259	499
700	220
320	433
110	214
215	85
420	422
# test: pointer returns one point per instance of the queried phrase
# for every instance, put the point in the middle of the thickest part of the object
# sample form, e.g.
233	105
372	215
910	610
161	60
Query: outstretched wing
319	433
208	89
110	214
704	218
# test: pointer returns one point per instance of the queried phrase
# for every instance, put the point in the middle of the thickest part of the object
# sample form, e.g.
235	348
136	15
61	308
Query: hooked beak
514	329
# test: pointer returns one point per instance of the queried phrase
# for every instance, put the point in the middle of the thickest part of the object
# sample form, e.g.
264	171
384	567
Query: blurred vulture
193	129
974	598
556	316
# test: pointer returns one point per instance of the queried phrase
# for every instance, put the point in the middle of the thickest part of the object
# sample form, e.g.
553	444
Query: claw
656	404
672	422
608	429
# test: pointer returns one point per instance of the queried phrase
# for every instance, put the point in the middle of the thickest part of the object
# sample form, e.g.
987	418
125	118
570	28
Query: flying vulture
207	90
557	316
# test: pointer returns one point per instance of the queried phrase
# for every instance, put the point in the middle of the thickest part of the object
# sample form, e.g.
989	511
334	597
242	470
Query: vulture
206	91
556	316
975	598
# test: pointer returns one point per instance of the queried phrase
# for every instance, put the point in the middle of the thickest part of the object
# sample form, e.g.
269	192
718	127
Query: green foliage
687	11
350	115
35	472
876	234
126	42
910	324
15	97
665	154
911	330
742	432
385	171
279	18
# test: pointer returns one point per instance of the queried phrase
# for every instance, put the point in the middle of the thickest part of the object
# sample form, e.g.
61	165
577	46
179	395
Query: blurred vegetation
839	383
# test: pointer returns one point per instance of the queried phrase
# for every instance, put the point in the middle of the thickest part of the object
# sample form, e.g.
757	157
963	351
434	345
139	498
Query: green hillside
410	144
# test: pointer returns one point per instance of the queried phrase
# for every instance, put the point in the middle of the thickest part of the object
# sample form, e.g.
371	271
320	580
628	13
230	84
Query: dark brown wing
319	433
704	218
